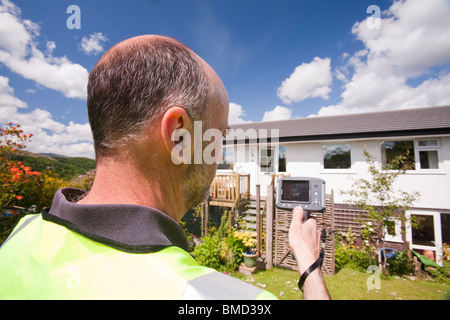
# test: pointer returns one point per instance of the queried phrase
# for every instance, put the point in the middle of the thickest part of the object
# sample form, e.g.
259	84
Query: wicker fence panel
282	255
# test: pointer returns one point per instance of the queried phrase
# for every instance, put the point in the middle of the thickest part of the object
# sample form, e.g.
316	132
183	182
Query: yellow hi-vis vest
49	257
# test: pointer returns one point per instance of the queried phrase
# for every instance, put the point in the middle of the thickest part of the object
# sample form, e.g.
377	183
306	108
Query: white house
331	148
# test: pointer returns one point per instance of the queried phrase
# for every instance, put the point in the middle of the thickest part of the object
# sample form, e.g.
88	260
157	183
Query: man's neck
123	183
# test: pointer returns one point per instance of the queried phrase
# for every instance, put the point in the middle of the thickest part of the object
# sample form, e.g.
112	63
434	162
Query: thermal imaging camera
309	193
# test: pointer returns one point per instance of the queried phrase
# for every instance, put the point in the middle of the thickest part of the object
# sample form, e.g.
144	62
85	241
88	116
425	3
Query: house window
267	159
281	159
336	156
392	149
390	228
393	231
430	233
428	160
428	154
445	227
423	234
427	143
228	158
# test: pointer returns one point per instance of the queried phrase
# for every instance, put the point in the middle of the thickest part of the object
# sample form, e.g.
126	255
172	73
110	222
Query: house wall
306	159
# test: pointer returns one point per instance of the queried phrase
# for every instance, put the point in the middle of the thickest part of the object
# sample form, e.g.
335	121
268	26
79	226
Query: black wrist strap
316	264
313	267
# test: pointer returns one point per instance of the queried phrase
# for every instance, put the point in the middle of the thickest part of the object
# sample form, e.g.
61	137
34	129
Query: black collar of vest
129	228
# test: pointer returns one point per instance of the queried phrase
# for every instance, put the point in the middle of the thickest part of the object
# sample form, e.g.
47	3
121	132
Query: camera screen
295	191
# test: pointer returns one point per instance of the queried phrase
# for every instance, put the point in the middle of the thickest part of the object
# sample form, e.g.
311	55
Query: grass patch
349	284
280	282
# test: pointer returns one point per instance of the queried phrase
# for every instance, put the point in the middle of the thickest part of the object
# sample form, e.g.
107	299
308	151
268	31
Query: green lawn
349	284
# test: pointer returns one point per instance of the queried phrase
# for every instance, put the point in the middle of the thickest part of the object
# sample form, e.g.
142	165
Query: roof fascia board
350	136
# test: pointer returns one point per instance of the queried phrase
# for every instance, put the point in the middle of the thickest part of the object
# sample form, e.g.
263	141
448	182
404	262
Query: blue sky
278	59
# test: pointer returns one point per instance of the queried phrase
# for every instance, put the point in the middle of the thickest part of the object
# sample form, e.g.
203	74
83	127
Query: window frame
418	148
337	144
273	166
398	231
437	247
224	165
278	158
384	162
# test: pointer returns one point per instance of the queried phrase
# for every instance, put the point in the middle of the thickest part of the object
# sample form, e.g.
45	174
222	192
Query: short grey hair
133	85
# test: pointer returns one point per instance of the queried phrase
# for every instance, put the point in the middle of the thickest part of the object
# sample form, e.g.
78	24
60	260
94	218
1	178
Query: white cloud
7	98
93	44
309	80
49	135
413	37
411	43
19	52
51	45
235	114
278	113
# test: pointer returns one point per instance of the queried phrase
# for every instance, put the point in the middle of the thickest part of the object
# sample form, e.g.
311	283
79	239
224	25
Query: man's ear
175	131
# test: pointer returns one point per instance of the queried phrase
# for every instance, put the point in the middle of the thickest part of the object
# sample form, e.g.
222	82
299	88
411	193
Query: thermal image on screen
295	191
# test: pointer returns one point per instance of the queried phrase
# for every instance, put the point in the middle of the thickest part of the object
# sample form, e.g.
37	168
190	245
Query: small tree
38	193
14	175
380	201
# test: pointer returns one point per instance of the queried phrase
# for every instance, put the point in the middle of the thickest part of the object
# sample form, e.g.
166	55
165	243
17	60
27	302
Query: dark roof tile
401	122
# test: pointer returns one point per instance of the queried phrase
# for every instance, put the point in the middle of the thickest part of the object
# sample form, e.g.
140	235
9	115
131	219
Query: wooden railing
227	189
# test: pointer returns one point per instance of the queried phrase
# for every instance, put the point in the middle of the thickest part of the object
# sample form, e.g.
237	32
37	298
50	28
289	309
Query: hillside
66	167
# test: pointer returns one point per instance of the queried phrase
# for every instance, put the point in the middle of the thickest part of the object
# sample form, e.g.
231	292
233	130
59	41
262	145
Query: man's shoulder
219	286
207	283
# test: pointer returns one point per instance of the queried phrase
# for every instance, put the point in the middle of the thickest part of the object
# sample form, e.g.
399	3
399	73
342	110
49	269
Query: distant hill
67	168
53	155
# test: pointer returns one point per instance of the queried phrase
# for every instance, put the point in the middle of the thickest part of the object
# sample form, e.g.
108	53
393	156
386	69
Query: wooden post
332	267
229	219
258	217
202	221
205	230
248	185
238	186
269	232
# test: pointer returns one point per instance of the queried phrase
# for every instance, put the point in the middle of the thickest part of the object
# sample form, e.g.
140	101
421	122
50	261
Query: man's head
142	90
136	81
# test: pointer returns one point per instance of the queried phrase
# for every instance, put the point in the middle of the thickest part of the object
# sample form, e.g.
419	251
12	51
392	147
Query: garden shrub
400	264
220	253
208	253
222	248
7	225
352	257
441	274
347	254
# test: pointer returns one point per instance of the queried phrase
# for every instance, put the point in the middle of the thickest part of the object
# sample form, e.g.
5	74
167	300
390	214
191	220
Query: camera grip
305	216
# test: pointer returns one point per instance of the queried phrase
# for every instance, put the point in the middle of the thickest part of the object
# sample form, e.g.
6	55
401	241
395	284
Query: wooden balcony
227	190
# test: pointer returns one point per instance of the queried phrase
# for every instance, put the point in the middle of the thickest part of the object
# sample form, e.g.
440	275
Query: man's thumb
297	214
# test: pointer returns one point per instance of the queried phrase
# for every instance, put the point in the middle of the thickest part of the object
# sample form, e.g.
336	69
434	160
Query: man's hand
304	240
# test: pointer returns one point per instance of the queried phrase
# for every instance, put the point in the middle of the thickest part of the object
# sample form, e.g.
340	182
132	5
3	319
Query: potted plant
249	252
